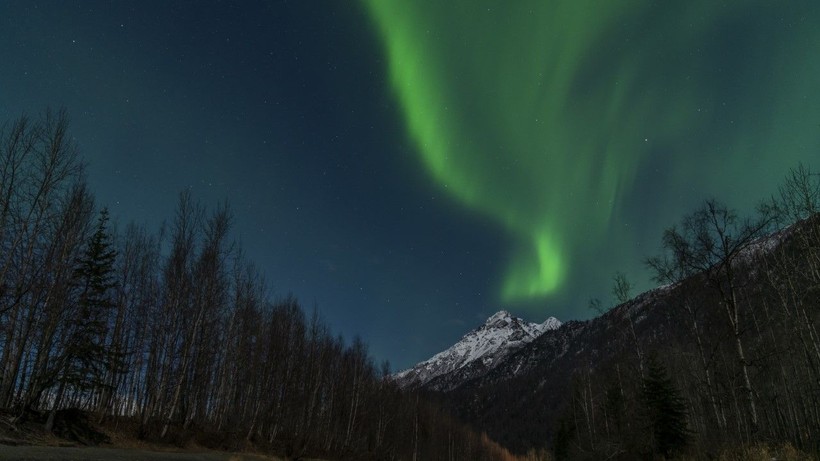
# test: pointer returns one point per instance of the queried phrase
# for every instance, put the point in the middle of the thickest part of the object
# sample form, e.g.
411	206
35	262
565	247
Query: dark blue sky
287	110
281	108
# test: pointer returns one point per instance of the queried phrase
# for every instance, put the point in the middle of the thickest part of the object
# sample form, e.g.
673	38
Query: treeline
724	360
173	333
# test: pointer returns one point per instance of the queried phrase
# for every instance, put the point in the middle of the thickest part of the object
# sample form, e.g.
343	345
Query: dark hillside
586	377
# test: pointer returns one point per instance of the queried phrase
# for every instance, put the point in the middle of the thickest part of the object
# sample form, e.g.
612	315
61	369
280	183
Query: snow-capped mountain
476	353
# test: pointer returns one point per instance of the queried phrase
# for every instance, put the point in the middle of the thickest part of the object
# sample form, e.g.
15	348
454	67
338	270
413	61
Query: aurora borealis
538	114
412	167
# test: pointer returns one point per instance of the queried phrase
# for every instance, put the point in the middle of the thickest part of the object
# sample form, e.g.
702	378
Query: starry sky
411	167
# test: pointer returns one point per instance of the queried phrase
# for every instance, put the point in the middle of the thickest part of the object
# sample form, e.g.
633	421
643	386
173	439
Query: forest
720	361
173	336
734	361
172	333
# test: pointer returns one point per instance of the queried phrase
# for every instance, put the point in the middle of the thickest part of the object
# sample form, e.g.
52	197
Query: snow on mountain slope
477	352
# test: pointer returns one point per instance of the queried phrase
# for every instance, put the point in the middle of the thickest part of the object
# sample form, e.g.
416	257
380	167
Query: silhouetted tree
87	356
711	242
666	409
564	434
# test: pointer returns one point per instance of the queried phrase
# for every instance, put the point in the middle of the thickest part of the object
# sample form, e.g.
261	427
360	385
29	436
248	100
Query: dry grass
765	453
757	453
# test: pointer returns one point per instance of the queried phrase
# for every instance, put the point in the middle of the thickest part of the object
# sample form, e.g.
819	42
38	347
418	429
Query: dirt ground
38	453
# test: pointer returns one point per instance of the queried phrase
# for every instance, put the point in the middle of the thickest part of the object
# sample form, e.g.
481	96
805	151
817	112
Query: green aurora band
541	115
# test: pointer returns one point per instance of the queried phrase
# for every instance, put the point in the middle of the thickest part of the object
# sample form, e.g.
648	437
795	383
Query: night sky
411	167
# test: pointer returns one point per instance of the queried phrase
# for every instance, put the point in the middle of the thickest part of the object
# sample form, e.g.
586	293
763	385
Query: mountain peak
500	314
550	324
498	317
478	351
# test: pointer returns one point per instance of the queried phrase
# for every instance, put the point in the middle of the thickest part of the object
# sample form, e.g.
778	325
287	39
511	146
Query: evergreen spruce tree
562	438
95	279
88	355
666	409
